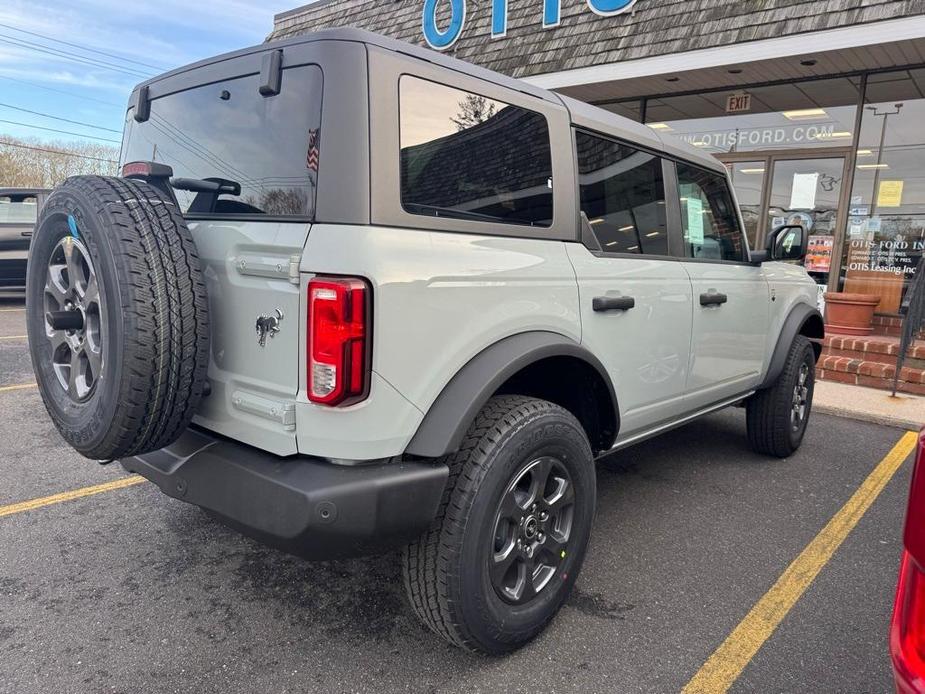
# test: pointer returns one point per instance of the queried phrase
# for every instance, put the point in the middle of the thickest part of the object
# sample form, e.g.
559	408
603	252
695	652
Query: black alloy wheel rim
532	528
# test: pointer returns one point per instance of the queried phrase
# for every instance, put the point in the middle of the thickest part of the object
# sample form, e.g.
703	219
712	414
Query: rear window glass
466	156
269	145
18	209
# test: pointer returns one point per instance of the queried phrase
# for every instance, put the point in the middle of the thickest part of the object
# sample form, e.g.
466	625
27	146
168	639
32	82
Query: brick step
878	357
876	344
870	382
872	374
890	326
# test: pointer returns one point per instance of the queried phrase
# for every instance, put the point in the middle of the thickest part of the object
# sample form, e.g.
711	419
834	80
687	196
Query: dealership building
817	107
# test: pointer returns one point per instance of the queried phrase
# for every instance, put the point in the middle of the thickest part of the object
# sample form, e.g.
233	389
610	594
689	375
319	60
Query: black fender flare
802	319
443	427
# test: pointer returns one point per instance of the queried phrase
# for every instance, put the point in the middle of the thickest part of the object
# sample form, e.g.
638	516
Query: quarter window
466	156
623	196
708	218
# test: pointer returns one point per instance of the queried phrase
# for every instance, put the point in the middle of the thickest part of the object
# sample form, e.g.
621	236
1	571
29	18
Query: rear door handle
613	303
713	299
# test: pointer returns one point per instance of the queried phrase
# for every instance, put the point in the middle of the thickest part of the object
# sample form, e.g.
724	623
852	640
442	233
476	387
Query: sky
38	73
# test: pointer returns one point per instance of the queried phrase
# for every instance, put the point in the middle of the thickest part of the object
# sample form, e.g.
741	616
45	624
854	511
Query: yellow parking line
21	386
13	337
723	668
33	504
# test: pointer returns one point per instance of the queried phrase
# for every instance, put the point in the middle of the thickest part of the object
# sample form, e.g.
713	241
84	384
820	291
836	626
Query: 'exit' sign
738	103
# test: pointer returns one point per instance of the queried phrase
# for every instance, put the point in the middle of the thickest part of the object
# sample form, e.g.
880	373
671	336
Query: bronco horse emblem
267	325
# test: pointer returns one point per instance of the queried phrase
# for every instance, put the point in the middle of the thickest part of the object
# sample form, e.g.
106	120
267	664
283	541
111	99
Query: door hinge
294	262
274	410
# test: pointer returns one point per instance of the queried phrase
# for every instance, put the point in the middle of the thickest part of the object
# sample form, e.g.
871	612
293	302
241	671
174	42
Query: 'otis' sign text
441	39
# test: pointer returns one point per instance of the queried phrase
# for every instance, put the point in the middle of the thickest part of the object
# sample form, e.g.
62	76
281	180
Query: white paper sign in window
803	193
694	220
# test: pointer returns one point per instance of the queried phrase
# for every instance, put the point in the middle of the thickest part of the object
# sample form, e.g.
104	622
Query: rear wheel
777	417
117	316
512	530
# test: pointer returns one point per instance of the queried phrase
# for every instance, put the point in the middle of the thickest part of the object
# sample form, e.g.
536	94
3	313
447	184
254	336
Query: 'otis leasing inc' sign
441	39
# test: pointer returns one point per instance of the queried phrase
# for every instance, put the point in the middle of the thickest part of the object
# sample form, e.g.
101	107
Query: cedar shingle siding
652	27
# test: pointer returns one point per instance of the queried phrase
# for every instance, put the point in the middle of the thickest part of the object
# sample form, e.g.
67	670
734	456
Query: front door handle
613	303
713	299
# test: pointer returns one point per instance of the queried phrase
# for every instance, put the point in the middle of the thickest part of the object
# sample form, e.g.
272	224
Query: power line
56	151
21	43
68	55
61	91
63	132
66	120
83	48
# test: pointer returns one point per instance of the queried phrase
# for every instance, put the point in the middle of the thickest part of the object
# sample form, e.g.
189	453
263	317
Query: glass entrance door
808	192
748	179
775	188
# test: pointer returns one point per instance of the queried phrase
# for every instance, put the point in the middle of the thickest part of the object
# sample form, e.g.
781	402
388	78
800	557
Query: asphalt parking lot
127	590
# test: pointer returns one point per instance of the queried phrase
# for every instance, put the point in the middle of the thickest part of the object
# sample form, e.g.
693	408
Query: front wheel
777	416
512	529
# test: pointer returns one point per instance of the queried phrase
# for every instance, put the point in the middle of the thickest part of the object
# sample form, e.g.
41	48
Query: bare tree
474	110
44	164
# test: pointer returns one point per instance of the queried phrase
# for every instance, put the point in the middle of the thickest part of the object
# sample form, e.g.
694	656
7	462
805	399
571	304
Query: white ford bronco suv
351	295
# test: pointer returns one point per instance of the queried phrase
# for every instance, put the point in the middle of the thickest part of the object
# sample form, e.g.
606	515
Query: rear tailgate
254	378
220	123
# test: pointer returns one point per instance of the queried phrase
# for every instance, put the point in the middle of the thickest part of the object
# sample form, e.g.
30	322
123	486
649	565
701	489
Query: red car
907	631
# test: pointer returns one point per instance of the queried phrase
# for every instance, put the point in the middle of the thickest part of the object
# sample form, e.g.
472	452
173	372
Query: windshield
227	130
18	209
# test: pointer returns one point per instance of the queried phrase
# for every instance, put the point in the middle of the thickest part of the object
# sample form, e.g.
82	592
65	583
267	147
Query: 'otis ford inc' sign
441	39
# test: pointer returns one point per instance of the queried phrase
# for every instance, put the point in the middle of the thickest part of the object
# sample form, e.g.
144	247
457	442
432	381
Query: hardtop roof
581	113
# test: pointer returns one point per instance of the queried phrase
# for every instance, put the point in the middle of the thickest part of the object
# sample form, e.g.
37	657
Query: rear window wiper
216	186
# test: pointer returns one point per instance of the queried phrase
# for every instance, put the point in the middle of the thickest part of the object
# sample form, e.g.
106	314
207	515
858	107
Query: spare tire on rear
117	316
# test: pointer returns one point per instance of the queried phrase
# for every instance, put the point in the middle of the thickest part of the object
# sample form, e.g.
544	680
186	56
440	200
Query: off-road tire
771	430
155	348
445	571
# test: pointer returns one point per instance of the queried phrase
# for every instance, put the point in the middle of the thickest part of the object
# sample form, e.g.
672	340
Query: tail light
907	630
338	340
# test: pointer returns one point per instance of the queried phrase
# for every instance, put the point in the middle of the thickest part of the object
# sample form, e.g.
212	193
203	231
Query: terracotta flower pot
850	314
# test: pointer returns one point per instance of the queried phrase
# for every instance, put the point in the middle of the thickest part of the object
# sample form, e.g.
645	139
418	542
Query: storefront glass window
886	216
748	180
627	109
807	192
802	115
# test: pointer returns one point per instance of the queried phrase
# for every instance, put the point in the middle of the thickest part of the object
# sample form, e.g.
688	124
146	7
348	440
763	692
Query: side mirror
787	242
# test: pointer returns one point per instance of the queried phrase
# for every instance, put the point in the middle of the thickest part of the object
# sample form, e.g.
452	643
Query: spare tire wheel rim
74	318
532	528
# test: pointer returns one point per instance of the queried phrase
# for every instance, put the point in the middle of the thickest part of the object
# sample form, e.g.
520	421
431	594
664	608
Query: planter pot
850	314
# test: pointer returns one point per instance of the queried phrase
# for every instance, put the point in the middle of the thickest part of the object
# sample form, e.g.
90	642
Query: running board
668	426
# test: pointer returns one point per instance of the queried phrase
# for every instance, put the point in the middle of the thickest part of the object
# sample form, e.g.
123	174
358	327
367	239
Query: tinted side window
470	157
708	217
623	195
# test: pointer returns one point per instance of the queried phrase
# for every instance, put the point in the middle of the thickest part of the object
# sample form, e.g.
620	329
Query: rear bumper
302	505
